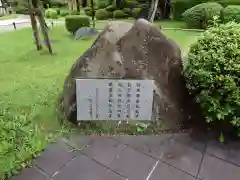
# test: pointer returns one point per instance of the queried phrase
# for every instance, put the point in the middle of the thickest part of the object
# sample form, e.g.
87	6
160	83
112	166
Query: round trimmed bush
74	12
88	11
51	13
58	10
111	8
102	14
74	22
131	3
200	15
118	14
64	13
127	11
103	3
213	74
135	12
231	13
180	6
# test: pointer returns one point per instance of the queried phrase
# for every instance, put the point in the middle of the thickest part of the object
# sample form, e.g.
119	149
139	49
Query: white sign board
111	99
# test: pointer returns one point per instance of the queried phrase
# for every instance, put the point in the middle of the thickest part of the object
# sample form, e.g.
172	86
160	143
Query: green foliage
64	13
58	10
127	11
74	12
21	10
231	13
135	12
51	13
102	14
103	3
213	74
200	15
131	3
58	3
229	2
118	14
111	8
180	6
74	22
88	11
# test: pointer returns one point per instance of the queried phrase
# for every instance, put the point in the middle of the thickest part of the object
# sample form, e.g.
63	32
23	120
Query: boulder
147	53
138	51
101	60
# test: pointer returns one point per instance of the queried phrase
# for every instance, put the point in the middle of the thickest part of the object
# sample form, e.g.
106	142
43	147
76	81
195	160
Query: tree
78	5
153	10
35	10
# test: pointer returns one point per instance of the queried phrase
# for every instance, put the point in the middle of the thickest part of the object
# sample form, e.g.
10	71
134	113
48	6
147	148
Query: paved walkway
22	21
165	157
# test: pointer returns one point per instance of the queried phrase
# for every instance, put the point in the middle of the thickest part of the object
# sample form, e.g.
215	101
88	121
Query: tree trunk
78	5
154	10
44	31
34	27
93	13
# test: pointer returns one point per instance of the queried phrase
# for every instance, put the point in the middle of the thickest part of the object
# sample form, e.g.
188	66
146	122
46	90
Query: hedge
212	74
102	14
180	6
74	22
64	13
200	15
231	13
118	14
51	13
135	12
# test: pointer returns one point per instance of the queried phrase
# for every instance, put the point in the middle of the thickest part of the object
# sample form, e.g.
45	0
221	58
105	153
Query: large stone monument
133	51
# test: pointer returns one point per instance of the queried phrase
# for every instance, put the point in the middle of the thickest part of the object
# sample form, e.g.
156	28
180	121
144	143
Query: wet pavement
163	157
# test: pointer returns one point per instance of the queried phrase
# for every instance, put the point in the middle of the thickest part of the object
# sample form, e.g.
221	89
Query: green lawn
30	82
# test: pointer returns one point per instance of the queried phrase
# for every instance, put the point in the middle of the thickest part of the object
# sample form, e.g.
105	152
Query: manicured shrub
103	3
229	2
74	22
102	14
51	13
200	15
74	12
58	3
213	74
88	11
231	13
131	3
118	14
127	11
58	10
135	12
21	10
64	13
111	8
180	6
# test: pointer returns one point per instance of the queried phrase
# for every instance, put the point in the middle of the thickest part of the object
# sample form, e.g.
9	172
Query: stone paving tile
79	142
104	150
229	152
181	156
81	168
196	141
146	144
133	165
166	172
110	175
32	173
216	169
54	157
